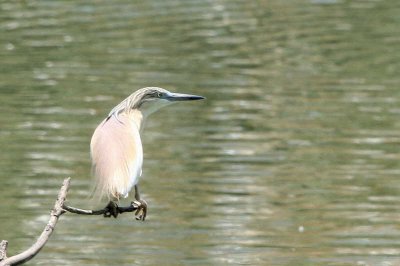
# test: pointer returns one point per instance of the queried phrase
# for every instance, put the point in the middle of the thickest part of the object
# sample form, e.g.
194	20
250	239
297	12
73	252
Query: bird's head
150	99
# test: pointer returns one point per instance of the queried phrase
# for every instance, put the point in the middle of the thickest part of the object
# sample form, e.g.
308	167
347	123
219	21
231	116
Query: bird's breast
117	153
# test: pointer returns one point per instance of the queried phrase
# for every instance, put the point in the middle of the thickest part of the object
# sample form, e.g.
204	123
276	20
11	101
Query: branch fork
59	209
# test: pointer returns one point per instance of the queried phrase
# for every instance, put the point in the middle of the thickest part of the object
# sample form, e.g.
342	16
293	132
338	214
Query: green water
293	158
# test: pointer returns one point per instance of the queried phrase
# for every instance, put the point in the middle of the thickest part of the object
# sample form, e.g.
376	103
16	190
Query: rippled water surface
293	159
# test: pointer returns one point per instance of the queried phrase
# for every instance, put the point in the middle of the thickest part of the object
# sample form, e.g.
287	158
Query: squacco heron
116	146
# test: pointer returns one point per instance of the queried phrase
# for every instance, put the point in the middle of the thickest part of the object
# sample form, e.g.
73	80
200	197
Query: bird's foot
141	212
111	210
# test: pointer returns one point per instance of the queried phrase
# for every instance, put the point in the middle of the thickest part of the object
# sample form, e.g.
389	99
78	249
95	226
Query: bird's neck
137	117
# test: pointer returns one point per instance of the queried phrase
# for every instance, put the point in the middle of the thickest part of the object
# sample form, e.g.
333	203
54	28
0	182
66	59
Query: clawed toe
141	212
111	210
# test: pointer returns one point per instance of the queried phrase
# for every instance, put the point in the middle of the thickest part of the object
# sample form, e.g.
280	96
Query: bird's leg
142	206
111	210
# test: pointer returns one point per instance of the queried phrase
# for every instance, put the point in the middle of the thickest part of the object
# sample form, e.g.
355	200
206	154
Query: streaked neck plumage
137	108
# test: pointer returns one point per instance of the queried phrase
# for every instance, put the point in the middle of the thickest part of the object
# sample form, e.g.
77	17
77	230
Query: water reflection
292	160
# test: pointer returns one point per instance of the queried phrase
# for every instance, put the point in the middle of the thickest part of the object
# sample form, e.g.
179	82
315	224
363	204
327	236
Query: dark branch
106	212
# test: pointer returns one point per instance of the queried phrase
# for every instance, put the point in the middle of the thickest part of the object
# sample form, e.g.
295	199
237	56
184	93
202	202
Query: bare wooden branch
3	250
48	230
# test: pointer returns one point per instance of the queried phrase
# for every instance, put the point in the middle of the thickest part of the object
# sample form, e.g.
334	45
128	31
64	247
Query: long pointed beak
182	97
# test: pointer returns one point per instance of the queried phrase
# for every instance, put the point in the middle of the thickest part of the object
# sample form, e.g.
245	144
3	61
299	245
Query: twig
48	230
105	211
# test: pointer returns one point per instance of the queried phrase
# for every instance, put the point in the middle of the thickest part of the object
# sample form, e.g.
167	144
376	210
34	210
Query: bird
116	146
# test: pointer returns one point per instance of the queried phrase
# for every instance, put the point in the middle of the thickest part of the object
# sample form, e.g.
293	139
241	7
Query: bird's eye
159	95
